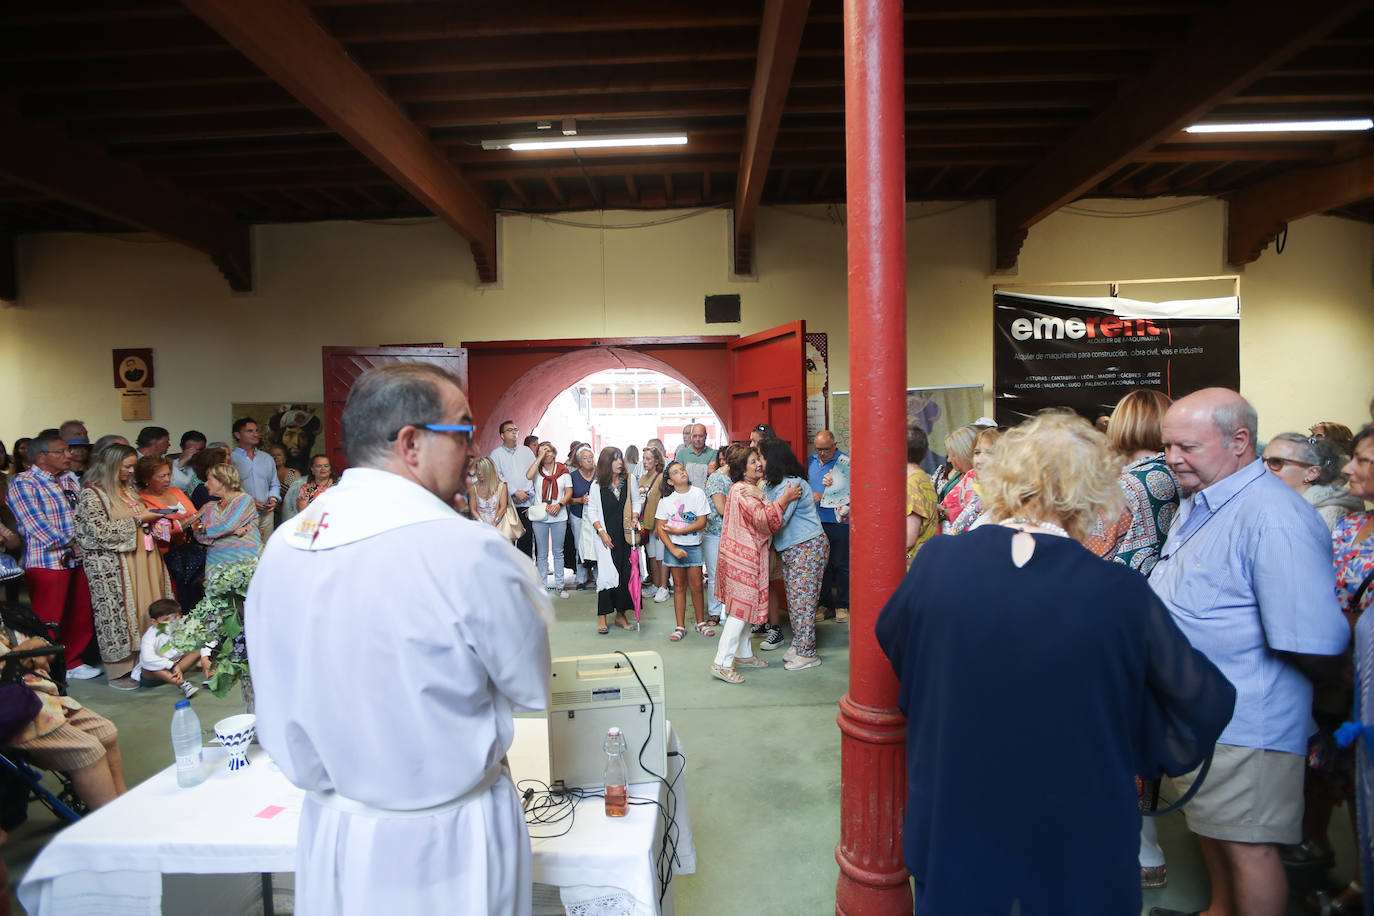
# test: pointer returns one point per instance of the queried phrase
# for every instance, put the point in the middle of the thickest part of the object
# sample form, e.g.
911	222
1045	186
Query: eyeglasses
1276	464
466	428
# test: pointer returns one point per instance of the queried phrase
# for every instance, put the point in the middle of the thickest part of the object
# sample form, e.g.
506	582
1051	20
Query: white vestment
389	640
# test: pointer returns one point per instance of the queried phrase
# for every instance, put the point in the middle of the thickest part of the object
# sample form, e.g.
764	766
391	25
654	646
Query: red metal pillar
873	880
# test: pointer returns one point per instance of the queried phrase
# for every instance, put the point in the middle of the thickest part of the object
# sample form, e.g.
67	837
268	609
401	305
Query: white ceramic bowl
237	732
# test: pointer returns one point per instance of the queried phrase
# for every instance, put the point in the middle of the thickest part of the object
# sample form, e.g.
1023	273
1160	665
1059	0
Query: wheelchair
20	782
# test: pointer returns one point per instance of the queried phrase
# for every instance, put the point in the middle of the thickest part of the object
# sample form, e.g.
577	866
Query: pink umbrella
635	582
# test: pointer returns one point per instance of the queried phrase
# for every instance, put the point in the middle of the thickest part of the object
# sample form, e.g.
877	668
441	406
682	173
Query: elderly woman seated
64	735
1031	670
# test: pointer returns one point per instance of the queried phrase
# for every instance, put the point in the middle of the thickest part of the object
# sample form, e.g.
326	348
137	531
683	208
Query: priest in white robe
390	640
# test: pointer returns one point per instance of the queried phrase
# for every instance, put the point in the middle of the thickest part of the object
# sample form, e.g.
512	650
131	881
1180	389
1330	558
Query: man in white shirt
258	472
512	464
410	806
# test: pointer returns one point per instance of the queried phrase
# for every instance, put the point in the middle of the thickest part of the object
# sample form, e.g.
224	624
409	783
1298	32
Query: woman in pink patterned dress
741	580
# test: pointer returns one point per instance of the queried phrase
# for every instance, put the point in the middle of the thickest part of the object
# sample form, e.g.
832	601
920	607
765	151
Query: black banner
1057	354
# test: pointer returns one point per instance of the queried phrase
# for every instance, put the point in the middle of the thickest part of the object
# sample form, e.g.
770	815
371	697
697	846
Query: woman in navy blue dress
1038	681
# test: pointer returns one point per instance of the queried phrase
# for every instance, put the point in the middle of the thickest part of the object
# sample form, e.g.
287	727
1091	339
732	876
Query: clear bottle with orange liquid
616	774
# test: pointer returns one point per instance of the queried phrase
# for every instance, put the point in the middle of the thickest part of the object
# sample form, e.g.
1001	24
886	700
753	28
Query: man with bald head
1246	573
820	468
694	454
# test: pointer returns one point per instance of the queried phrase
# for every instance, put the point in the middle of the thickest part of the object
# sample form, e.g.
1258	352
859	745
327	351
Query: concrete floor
763	769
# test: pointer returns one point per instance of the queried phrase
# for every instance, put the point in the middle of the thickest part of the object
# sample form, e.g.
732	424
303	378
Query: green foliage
217	621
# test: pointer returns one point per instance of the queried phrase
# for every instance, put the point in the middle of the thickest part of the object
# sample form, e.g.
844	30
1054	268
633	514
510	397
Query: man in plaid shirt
44	502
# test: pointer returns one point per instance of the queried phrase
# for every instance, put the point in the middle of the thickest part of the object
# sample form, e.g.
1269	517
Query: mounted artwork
298	428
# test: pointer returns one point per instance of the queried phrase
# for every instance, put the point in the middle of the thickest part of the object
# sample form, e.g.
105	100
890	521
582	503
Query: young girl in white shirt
680	519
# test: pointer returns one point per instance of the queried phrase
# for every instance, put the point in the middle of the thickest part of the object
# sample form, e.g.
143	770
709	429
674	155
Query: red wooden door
767	382
343	366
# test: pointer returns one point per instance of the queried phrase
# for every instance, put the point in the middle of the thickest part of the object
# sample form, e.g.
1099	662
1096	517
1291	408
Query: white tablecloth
112	861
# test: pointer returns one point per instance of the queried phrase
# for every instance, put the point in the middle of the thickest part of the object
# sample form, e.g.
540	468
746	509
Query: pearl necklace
1049	527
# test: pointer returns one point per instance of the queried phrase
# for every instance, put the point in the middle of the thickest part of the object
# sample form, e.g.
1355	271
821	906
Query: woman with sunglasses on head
611	509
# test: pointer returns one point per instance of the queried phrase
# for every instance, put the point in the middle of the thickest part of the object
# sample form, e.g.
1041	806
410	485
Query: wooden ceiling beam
9	268
419	21
40	155
1256	215
779	41
241	126
290	45
556	190
1230	49
160	101
518	191
630	188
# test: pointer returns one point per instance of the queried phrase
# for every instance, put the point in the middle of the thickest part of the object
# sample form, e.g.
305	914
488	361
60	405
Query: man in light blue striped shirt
1247	574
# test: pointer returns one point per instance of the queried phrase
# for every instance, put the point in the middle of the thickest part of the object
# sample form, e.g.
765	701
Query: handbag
509	523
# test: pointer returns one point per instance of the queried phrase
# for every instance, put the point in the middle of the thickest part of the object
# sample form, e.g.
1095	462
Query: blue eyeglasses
467	428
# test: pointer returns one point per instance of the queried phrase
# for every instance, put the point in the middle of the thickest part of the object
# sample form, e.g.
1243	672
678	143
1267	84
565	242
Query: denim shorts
693	557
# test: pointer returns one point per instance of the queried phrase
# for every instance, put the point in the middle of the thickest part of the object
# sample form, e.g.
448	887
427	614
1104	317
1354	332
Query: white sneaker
661	596
562	593
189	689
83	673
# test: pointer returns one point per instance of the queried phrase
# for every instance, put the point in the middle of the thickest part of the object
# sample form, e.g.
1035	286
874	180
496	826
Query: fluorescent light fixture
1274	127
589	142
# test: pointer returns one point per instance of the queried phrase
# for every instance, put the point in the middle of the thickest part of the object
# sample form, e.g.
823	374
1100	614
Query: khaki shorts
1249	796
74	745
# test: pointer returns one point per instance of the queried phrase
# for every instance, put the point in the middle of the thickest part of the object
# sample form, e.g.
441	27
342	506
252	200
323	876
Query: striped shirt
1246	573
43	505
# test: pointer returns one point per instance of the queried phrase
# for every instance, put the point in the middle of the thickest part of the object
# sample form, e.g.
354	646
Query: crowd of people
1219	631
1166	601
741	533
111	549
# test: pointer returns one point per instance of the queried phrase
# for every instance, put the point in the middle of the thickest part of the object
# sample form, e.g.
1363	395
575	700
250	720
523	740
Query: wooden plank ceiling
253	111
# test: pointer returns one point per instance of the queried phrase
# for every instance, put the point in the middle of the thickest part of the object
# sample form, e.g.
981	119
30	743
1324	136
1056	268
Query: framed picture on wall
297	428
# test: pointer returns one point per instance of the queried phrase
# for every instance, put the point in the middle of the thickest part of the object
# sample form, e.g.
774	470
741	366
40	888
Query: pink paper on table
270	811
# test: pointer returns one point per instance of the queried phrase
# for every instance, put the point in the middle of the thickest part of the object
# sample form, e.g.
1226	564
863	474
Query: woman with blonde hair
953	483
123	565
1136	433
984	444
487	495
1006	630
229	527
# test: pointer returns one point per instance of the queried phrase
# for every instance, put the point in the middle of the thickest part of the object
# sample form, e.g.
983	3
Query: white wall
1306	333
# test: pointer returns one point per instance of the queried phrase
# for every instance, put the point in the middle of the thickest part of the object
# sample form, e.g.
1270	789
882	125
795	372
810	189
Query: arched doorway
623	406
517	380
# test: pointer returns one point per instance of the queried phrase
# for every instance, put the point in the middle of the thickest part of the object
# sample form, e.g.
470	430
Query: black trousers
835	580
526	542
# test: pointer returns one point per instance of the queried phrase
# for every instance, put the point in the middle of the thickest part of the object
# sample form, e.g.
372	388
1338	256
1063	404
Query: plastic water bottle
187	745
616	775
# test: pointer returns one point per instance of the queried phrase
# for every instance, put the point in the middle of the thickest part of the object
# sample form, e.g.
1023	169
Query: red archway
518	379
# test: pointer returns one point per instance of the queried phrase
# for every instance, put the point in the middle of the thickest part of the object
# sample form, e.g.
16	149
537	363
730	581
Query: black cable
667	854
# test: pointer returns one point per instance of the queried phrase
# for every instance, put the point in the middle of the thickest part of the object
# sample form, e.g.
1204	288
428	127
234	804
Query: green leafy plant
217	621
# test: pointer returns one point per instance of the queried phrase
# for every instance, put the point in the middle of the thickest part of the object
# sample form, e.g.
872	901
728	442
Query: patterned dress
1152	495
742	570
222	519
1353	562
957	498
125	572
921	501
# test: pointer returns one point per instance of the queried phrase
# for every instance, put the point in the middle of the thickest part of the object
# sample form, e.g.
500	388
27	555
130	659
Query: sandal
728	675
623	622
603	629
705	628
677	634
752	661
713	620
